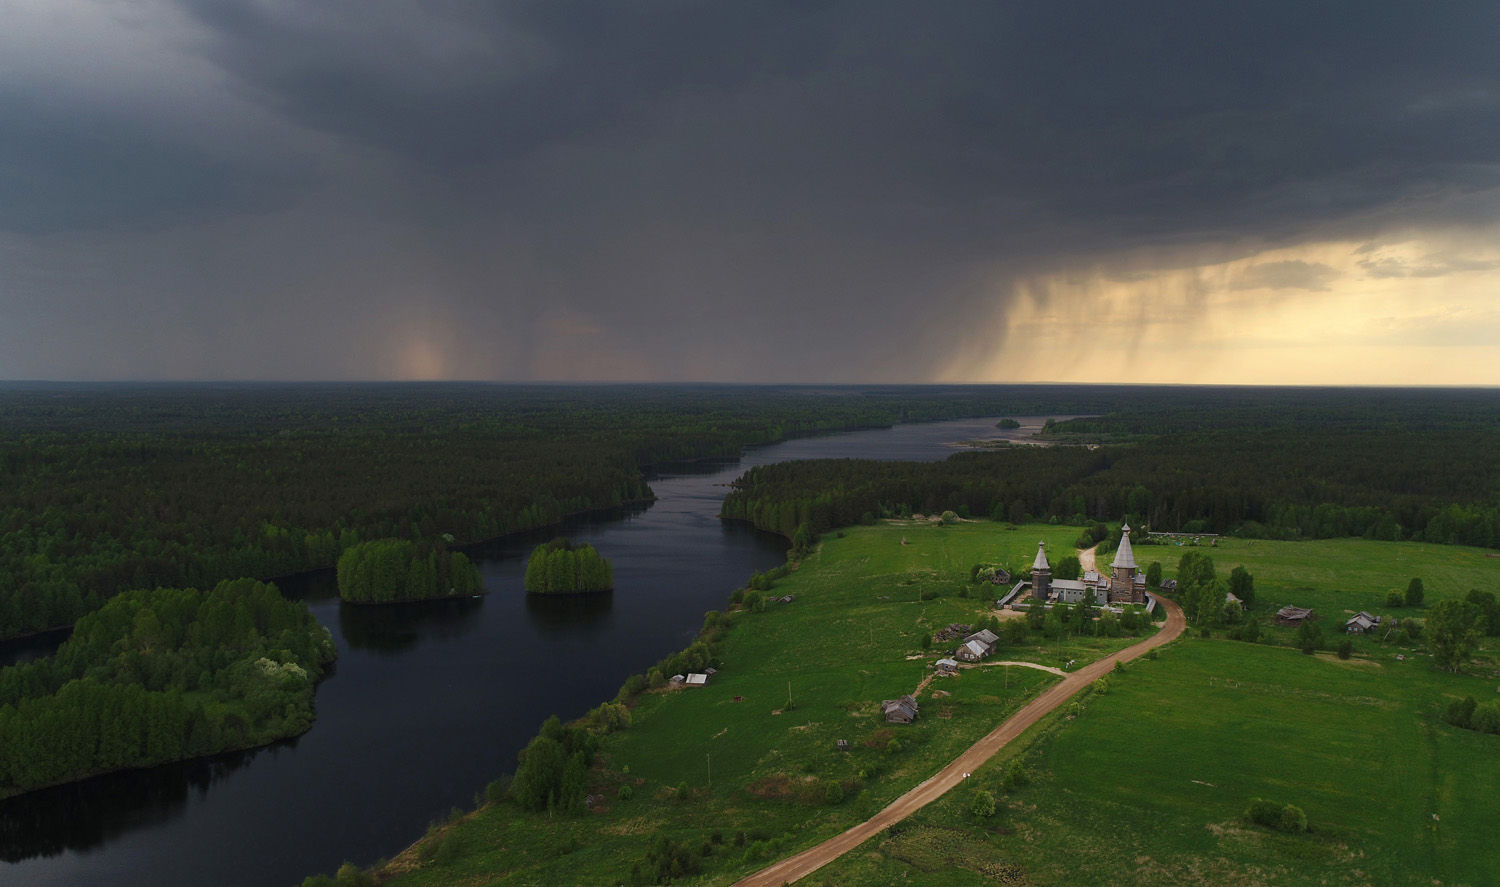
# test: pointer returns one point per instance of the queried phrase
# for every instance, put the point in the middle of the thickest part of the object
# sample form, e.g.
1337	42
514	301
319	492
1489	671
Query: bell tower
1122	585
1041	573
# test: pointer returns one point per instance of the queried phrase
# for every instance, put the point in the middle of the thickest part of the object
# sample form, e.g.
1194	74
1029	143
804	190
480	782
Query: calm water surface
428	702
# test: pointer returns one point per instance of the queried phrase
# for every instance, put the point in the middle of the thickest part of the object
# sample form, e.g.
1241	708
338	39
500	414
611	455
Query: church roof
1125	557
1041	558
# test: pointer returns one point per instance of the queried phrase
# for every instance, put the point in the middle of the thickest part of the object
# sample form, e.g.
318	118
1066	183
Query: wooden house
947	666
900	711
972	651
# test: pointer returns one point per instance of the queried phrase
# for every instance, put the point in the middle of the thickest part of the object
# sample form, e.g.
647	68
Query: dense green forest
162	675
109	487
385	571
560	567
1435	486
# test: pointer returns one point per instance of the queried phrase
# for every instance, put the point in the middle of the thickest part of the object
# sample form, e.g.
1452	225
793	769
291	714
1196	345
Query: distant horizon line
559	383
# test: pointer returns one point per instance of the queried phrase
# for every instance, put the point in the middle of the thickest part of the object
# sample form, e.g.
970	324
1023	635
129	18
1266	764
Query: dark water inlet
428	702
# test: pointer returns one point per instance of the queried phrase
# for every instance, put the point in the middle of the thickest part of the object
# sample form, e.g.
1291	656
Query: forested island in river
560	567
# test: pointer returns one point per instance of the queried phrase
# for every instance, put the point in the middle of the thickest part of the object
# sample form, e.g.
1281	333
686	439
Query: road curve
808	861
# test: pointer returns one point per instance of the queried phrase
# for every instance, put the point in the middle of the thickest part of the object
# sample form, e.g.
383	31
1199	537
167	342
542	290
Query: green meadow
1340	577
850	638
1146	785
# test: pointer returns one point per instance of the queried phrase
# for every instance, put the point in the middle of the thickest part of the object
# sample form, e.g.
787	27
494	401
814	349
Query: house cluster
1361	623
1128	586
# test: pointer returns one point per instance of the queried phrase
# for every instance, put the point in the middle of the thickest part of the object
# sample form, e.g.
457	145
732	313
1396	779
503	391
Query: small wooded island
158	676
1007	423
388	571
560	567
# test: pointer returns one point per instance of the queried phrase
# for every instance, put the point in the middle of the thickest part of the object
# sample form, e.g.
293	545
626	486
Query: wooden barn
900	711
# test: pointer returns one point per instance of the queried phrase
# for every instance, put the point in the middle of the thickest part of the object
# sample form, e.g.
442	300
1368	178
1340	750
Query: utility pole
710	771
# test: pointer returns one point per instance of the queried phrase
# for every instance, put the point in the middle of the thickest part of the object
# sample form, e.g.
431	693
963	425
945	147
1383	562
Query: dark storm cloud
832	182
62	170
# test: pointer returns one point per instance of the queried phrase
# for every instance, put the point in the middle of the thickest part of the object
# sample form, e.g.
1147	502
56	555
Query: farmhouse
972	651
984	636
900	711
947	666
1361	623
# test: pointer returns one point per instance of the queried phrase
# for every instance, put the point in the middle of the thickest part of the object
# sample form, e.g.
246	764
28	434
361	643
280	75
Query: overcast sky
1245	192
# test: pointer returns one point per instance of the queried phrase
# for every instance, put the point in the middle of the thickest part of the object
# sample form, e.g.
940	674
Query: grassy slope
1121	795
843	645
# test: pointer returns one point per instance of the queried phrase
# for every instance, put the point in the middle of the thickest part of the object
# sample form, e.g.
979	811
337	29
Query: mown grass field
850	639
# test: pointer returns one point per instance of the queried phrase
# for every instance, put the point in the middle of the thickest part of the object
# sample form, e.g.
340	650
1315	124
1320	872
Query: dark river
428	702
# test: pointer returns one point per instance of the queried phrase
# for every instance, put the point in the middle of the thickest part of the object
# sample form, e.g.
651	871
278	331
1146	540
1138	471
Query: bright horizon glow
1419	310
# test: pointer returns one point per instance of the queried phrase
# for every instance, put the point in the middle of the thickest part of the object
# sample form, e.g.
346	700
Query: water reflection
392	629
88	814
567	611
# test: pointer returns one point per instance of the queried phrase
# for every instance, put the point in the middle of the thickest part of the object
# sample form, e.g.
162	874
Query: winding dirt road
808	861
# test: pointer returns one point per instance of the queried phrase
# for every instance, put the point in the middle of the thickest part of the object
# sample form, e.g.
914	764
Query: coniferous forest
110	487
161	675
387	571
1409	465
560	567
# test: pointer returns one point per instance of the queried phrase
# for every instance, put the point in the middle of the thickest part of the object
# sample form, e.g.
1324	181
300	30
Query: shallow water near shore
428	701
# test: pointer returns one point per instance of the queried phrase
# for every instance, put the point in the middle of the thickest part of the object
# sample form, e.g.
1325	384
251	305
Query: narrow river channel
428	702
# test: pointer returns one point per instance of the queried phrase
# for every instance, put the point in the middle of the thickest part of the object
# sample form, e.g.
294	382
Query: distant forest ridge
109	487
1435	486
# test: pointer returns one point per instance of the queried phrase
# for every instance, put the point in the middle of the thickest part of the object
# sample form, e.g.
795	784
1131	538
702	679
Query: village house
972	651
1361	623
977	646
900	711
947	666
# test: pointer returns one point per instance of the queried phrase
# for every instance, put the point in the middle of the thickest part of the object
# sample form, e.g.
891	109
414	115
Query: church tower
1041	573
1122	586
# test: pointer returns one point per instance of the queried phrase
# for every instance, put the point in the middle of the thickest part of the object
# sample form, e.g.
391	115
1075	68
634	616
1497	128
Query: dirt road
1087	560
810	860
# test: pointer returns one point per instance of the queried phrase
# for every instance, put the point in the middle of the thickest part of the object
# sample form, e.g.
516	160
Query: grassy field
1147	787
849	639
1339	577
